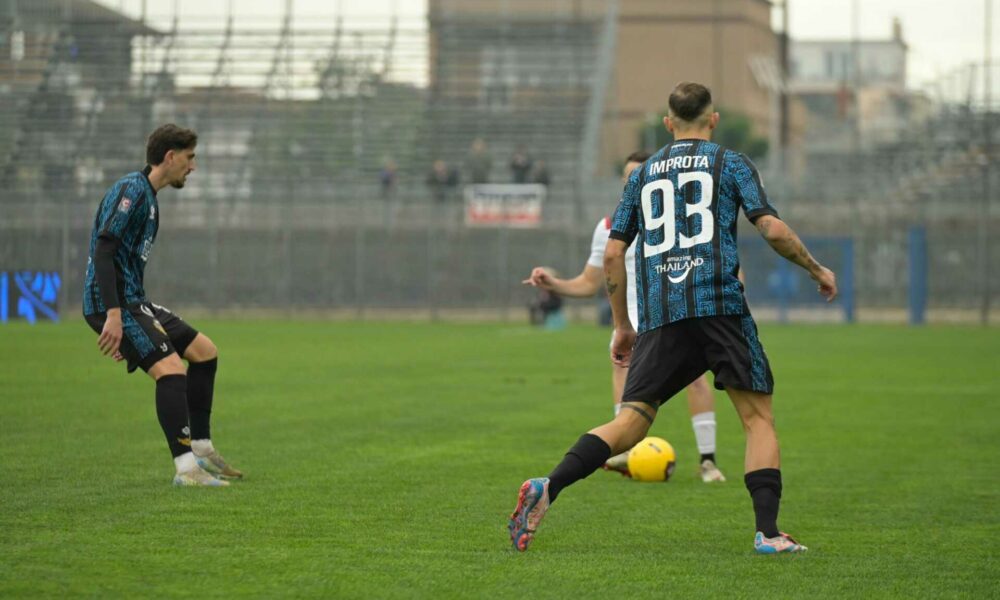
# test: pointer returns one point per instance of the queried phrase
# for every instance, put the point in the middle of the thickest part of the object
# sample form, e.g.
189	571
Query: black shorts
150	333
667	359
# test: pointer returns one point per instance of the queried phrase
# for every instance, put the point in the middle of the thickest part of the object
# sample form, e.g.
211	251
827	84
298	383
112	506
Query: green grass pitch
383	459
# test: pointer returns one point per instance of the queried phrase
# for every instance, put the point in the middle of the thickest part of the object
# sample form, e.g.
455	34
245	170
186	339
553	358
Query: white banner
504	205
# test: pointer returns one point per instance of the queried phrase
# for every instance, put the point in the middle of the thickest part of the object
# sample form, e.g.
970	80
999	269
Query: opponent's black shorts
667	359
150	333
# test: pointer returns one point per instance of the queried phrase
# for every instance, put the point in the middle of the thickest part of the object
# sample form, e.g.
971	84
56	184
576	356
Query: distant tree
735	131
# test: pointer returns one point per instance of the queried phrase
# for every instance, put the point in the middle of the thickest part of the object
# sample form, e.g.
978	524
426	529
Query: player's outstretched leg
763	473
618	462
586	456
203	362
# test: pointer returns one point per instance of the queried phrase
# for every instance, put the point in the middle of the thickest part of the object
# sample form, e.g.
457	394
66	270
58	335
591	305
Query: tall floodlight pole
856	117
784	134
986	201
856	75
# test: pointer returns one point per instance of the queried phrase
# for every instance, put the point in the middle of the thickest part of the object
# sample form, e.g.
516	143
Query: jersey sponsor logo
125	204
677	269
147	246
146	311
152	213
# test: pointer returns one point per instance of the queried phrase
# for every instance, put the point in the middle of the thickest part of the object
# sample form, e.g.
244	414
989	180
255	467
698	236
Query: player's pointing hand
540	277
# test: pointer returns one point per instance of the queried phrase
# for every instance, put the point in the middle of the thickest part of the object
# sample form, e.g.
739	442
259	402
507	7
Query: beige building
727	44
855	90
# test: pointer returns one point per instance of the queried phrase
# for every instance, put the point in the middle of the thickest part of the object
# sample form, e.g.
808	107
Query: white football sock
185	462
704	431
202	447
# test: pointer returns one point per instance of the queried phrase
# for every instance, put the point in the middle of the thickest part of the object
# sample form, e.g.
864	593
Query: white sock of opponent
704	433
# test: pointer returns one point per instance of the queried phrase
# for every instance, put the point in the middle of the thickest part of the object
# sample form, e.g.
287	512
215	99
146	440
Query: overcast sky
943	35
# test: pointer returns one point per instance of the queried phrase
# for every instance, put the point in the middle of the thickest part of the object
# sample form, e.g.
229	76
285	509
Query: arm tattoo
806	259
611	287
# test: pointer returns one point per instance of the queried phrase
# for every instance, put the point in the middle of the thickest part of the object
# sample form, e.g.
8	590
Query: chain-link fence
333	154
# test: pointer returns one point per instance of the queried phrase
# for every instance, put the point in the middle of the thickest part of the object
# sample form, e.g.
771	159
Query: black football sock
709	456
585	457
765	490
172	410
200	389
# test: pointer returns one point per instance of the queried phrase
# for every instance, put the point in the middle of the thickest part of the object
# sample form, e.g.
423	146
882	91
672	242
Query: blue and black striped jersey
128	213
683	203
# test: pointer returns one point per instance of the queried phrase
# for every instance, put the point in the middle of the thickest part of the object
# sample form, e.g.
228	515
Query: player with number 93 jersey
680	207
684	202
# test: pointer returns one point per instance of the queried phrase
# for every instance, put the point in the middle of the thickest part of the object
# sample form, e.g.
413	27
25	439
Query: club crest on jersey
678	268
125	204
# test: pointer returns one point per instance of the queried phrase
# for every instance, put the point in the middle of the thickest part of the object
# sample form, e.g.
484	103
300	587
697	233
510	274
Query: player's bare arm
584	285
785	242
616	285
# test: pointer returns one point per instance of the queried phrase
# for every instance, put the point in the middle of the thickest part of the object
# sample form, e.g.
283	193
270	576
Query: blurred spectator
540	174
479	163
520	165
442	179
387	179
546	308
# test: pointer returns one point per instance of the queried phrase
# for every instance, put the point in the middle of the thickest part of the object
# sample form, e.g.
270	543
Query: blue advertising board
29	295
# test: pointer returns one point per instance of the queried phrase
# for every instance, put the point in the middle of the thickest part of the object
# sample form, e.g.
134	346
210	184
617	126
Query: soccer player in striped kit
701	402
144	334
682	204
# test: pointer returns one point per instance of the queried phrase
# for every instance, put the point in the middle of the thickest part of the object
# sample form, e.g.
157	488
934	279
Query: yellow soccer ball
652	459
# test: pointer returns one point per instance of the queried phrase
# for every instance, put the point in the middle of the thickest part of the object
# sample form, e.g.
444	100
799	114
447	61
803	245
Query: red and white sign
504	205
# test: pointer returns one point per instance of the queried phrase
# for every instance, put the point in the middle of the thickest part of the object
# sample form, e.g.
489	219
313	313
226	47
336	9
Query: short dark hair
639	156
689	100
166	138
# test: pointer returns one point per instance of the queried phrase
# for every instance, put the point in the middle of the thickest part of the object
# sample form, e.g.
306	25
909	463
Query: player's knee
201	349
171	365
699	395
758	421
210	349
701	385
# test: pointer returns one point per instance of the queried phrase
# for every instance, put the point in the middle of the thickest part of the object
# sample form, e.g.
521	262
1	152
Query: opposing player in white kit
701	402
